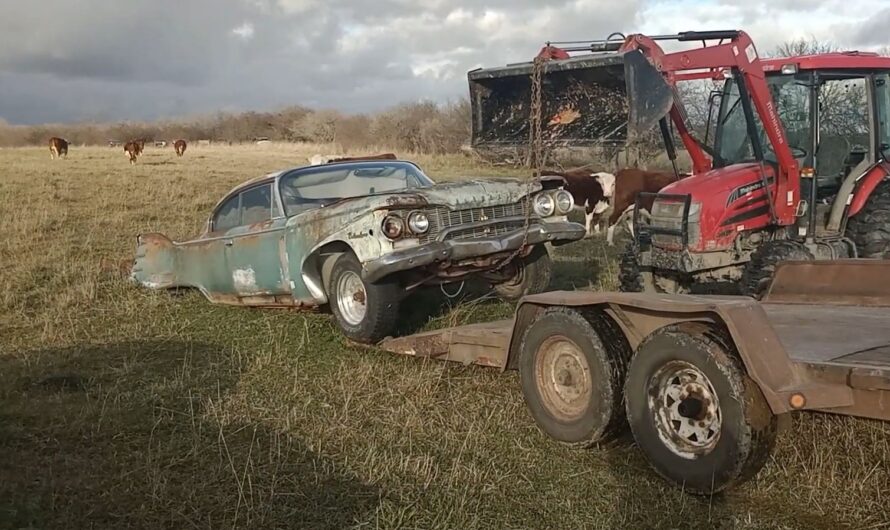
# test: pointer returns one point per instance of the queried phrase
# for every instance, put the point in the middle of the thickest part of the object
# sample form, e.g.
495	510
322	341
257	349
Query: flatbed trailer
700	380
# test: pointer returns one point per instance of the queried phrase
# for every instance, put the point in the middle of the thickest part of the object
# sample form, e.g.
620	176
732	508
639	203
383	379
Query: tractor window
792	98
843	126
882	101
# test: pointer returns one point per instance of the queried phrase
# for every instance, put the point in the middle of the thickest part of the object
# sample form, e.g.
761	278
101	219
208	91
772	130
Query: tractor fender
865	185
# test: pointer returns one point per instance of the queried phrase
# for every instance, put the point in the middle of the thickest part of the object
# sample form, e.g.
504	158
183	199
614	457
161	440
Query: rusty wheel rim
352	298
563	378
685	408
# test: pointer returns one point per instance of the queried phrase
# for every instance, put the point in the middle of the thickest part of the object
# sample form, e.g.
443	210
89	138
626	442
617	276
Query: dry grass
121	407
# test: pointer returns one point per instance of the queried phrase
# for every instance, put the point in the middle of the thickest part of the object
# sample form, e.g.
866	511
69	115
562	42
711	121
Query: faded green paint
270	263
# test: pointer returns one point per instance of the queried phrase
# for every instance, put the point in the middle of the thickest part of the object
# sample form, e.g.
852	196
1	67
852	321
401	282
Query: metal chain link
536	150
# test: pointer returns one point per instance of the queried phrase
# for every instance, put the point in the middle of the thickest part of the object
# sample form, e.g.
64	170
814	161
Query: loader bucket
606	98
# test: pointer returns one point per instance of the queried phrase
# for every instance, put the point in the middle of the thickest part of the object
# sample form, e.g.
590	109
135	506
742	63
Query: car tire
365	312
584	406
870	228
759	272
694	412
533	274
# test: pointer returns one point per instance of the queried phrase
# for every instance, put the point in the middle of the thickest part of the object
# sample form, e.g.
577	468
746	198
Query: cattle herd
58	148
605	198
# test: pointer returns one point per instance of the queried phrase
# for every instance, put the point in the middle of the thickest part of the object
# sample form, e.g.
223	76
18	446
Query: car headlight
564	202
419	223
393	226
544	205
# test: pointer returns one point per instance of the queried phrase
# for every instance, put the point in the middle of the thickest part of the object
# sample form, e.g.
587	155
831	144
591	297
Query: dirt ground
125	408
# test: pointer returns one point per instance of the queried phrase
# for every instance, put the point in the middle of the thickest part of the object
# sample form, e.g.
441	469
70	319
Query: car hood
467	193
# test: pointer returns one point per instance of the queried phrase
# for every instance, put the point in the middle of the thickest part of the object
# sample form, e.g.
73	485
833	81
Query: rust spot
359	296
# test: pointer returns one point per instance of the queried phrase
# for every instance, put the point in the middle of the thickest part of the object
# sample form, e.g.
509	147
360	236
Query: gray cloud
105	59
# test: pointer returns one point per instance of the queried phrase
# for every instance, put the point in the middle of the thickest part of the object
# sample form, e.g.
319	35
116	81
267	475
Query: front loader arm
740	55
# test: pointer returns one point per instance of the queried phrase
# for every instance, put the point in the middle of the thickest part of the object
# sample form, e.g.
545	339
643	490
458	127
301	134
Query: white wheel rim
563	378
352	299
685	409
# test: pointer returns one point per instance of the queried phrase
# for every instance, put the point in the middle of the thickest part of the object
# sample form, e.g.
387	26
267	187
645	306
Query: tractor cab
836	115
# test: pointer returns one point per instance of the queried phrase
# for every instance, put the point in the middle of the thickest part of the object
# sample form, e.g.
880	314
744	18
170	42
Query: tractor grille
442	219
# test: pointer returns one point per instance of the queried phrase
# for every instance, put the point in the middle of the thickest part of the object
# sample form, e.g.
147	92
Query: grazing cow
179	146
591	192
133	149
317	160
615	196
58	147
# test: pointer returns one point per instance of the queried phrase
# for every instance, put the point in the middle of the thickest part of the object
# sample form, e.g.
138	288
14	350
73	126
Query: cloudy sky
72	60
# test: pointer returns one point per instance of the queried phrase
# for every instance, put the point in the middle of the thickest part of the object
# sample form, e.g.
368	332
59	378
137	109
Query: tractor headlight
564	202
544	205
393	226
419	223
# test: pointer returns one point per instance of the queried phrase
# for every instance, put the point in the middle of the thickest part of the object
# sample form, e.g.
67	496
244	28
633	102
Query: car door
203	260
253	248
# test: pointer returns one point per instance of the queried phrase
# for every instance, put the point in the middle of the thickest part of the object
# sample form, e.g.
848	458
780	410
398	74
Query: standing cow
133	149
179	146
58	147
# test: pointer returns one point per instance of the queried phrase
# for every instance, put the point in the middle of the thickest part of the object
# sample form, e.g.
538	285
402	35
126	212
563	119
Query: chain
536	151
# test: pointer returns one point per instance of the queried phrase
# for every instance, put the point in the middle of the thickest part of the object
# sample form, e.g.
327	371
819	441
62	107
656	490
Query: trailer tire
696	415
364	312
571	382
759	272
870	228
533	274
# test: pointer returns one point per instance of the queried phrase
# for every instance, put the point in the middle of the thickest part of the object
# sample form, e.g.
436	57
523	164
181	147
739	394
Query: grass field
124	408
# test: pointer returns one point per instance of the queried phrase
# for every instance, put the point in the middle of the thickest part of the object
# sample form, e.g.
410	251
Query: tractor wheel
870	228
531	275
694	412
633	278
365	312
571	382
758	273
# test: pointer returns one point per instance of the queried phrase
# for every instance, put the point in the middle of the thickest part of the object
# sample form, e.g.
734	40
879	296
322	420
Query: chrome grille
479	232
442	219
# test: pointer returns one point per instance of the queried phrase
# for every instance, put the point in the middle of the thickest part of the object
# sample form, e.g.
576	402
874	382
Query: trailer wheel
870	228
571	383
532	275
365	312
759	272
694	412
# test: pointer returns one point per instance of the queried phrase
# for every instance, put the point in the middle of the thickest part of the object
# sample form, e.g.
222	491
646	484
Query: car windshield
792	97
309	188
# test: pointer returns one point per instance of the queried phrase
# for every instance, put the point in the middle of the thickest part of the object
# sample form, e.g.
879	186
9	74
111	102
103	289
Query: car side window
228	215
256	205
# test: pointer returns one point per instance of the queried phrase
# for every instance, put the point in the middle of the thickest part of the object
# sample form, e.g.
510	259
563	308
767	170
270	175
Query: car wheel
700	420
365	312
532	275
572	383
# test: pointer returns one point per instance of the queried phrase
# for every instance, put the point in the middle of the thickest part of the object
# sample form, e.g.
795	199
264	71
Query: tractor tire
759	272
533	274
364	312
572	384
870	228
632	278
700	420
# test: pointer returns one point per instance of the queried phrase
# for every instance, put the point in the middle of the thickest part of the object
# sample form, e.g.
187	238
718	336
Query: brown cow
628	183
591	192
58	147
179	146
133	149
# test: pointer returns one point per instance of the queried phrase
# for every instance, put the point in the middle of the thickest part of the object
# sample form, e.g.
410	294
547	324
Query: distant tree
796	47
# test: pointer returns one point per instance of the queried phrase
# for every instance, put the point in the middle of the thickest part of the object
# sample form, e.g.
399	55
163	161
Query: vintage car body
282	254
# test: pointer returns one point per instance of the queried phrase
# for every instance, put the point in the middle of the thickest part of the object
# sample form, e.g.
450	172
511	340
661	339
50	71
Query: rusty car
359	236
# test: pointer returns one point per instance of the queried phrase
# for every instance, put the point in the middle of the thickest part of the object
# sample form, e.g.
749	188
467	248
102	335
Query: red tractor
793	164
